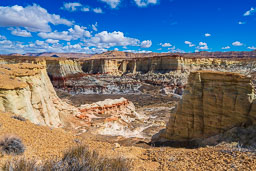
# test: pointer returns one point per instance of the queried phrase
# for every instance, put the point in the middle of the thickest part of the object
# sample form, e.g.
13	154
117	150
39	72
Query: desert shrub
11	145
19	165
75	159
19	117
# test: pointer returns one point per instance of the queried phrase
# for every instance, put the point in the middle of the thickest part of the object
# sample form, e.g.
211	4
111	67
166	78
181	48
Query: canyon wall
212	103
26	90
158	64
101	66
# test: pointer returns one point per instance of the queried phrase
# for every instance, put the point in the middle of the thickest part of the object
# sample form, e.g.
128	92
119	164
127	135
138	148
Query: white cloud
98	10
252	47
85	9
94	26
64	35
33	18
159	49
189	43
7	46
146	44
175	50
72	6
75	33
226	47
237	43
241	22
116	49
112	3
250	12
144	3
105	39
19	32
38	42
207	34
202	46
52	41
165	44
138	51
2	37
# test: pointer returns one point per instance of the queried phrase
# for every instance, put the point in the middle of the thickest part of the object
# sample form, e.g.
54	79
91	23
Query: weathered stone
212	103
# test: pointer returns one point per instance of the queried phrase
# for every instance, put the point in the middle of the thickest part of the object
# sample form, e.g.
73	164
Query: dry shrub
11	145
75	159
19	117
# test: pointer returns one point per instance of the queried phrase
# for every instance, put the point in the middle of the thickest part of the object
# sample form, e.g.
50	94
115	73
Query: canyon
140	100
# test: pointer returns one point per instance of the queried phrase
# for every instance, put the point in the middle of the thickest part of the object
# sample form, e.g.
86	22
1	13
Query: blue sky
94	26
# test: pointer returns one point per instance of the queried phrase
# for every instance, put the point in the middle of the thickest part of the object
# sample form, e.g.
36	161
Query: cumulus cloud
52	41
105	39
202	46
85	9
98	10
189	43
33	18
226	47
94	26
144	3
207	34
19	32
71	6
138	51
146	44
237	43
2	37
252	47
7	46
75	33
175	50
112	3
165	44
250	12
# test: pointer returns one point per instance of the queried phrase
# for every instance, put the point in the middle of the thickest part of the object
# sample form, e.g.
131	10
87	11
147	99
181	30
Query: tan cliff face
102	66
163	64
63	67
213	102
25	89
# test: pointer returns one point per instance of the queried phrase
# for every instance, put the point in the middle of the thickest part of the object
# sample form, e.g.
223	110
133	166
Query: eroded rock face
113	117
213	102
25	89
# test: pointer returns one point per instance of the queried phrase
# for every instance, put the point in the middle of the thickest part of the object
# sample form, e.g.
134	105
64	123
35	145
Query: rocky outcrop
25	89
213	102
113	117
101	66
62	67
61	70
107	107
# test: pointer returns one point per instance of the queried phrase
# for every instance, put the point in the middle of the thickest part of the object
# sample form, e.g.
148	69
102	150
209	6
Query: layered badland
175	98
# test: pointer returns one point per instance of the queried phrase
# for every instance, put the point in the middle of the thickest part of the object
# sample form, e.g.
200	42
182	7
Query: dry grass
75	159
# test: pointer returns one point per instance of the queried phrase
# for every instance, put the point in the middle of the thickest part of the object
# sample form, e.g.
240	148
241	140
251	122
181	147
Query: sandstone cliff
25	89
212	103
158	64
101	66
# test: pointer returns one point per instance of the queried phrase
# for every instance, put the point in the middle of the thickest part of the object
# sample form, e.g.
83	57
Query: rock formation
213	102
25	89
113	117
102	66
62	69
